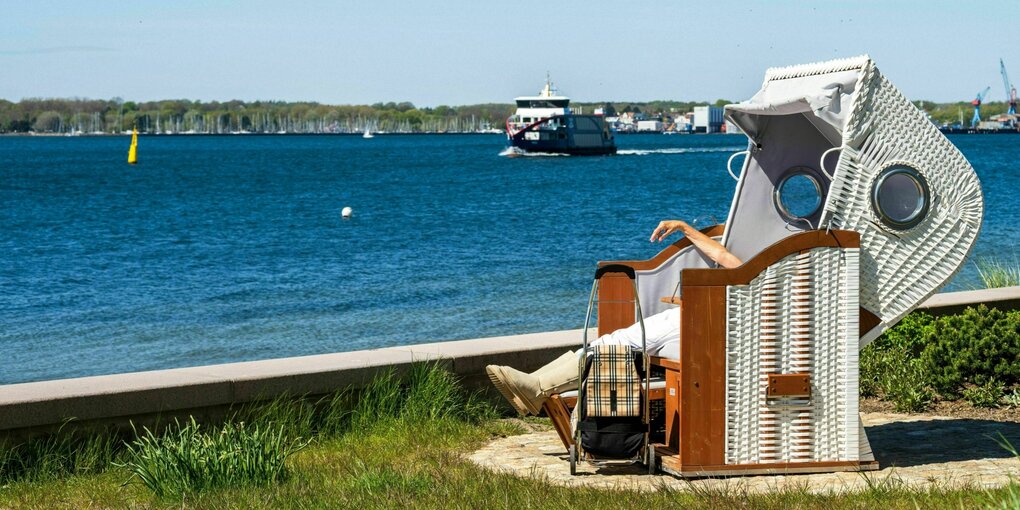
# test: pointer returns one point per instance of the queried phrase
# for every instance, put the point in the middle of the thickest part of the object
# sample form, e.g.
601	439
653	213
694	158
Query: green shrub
975	347
923	356
191	459
906	383
890	369
986	395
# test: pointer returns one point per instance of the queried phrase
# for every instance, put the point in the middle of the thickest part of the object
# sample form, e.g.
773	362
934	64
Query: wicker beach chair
850	210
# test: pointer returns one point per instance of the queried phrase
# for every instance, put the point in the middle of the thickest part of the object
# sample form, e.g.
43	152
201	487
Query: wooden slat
616	303
560	417
788	385
702	384
667	252
868	321
673	409
668	364
671	463
743	274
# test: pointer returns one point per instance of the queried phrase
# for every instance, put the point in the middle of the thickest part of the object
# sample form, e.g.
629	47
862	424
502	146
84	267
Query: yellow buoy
133	151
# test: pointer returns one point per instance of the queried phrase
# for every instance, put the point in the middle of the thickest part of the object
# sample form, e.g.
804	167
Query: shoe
528	392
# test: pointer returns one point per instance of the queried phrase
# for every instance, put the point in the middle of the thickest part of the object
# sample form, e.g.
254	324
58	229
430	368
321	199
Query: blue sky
463	52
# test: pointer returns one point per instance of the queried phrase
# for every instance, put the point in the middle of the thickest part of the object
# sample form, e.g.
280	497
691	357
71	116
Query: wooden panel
668	364
788	385
702	384
560	417
671	464
672	409
616	303
743	274
868	321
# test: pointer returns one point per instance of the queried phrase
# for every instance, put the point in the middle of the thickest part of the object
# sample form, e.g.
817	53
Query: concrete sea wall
207	391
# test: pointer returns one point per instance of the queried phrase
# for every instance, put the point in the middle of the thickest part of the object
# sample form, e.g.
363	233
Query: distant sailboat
368	134
133	151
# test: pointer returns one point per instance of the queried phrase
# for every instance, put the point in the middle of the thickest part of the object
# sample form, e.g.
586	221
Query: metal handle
729	163
821	162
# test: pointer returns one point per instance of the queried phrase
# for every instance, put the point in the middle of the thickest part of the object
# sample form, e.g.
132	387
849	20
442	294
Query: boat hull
581	135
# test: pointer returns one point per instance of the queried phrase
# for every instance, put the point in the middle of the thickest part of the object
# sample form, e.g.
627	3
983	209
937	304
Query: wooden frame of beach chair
766	377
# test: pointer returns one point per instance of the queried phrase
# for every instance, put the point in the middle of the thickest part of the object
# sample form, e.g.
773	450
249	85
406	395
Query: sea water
230	248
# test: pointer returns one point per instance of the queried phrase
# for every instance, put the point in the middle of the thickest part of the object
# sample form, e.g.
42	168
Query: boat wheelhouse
545	123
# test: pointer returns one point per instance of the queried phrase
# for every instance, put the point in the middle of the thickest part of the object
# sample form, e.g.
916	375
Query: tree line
97	116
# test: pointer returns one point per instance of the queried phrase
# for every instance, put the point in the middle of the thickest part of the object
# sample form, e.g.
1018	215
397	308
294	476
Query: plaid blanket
612	386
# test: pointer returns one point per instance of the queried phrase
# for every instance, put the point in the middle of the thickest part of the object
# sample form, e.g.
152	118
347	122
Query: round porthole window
900	196
798	195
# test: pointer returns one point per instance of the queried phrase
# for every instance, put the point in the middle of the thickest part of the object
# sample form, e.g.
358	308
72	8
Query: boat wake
514	152
689	150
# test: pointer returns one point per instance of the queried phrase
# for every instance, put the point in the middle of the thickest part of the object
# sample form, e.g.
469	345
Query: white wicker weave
879	128
899	269
799	316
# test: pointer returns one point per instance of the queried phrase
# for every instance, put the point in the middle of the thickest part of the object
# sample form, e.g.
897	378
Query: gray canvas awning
822	99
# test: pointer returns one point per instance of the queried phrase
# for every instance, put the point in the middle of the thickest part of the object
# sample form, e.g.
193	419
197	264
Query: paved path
913	450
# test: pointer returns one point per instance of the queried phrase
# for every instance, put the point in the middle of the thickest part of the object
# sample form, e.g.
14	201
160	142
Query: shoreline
140	398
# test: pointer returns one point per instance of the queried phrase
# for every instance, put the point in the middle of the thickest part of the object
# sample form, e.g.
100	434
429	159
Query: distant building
626	122
708	119
731	128
649	125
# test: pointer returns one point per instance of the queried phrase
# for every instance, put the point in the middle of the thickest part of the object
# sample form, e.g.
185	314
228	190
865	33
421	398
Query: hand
665	228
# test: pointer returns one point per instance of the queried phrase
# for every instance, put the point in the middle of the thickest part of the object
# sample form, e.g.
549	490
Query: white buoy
346	212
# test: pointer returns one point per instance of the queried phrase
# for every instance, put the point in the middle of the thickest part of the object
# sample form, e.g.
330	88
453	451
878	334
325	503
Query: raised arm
710	247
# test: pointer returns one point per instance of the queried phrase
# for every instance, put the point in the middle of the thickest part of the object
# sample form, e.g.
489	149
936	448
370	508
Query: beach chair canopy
834	145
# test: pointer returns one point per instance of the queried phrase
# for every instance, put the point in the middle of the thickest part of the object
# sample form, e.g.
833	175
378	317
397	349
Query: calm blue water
219	249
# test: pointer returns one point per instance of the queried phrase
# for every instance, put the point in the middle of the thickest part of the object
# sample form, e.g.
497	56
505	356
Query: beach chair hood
888	174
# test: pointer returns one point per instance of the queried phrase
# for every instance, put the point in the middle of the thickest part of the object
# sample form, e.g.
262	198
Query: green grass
65	453
994	273
400	444
190	459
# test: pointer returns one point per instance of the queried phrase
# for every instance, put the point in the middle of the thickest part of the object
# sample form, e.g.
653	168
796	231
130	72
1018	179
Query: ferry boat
545	123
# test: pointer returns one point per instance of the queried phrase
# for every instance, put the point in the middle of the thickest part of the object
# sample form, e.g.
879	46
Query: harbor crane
977	107
1010	89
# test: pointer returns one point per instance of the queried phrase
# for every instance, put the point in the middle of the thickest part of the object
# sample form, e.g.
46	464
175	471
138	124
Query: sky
458	52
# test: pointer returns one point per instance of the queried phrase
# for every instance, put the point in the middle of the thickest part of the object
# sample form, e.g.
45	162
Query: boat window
585	123
798	195
900	196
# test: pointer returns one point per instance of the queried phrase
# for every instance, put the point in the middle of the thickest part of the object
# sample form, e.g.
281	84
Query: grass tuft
191	459
67	452
994	273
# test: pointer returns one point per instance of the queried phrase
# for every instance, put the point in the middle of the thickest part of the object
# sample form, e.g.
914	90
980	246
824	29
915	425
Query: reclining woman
527	392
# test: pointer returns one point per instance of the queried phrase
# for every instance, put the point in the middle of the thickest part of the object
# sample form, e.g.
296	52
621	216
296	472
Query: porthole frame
920	213
777	199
